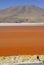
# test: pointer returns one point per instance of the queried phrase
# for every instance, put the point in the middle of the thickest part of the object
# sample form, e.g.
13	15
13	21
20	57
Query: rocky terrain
22	14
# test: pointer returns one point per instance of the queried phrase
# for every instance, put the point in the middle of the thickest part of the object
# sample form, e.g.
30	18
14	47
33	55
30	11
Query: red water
21	40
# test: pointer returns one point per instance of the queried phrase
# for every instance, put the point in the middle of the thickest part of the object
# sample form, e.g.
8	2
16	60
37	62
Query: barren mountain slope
22	14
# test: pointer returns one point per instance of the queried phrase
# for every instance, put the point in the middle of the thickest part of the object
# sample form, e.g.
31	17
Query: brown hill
22	14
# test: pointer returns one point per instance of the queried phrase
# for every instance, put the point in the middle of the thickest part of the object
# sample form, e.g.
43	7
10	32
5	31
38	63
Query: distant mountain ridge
20	14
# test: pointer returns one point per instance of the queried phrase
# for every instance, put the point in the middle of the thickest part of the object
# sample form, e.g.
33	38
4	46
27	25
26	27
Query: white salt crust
21	59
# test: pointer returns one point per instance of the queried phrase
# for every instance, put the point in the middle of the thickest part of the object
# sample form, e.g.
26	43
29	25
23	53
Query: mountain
22	14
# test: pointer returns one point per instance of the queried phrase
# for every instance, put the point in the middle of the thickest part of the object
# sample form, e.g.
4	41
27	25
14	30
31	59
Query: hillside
22	14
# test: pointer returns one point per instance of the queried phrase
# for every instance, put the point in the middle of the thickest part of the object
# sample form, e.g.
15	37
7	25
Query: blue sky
8	3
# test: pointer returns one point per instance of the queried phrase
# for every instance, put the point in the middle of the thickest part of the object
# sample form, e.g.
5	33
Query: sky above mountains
9	3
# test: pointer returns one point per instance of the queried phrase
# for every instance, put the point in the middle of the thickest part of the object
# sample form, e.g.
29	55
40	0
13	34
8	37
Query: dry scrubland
22	14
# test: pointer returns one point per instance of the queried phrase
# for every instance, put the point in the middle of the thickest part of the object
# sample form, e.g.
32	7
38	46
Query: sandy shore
22	60
16	40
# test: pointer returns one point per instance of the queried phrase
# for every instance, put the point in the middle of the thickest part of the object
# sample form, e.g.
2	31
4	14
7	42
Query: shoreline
21	24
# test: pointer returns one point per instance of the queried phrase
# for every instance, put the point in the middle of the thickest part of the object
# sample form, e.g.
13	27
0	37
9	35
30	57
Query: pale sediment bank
22	60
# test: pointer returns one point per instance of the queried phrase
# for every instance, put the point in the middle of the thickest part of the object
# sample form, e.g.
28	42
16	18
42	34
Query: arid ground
16	40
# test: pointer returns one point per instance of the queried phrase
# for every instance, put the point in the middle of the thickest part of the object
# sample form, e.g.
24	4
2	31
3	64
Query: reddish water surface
20	40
